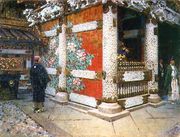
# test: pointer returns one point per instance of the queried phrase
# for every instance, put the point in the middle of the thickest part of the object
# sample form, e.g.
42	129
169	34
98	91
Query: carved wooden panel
11	64
133	76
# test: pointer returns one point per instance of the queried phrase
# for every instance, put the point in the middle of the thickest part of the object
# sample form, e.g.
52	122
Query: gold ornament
11	83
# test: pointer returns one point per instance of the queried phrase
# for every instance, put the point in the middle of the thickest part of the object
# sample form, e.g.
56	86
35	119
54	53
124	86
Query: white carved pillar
62	96
109	61
62	56
151	59
109	54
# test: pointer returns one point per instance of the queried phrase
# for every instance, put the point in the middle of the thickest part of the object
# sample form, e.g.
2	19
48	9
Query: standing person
161	75
171	81
39	79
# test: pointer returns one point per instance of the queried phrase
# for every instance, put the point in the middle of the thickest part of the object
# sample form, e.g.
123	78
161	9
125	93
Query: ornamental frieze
156	9
132	76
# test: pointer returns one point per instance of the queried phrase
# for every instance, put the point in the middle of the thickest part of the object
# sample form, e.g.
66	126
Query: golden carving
59	30
14	22
114	22
10	63
99	75
99	24
67	71
11	83
69	30
58	70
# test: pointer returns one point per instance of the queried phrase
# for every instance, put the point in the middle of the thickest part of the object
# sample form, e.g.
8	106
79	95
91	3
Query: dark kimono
39	79
168	78
161	76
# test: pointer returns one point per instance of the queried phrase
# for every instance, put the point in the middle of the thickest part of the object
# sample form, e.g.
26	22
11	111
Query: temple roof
13	36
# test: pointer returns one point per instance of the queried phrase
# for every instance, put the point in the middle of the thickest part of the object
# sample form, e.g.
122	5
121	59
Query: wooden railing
132	79
132	89
131	66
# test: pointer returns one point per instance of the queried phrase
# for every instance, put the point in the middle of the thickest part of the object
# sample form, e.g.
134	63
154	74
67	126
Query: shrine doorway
131	26
130	50
169	42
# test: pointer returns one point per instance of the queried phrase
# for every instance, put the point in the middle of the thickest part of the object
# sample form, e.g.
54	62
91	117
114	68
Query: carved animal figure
158	12
33	19
121	2
31	16
74	4
139	4
50	12
27	12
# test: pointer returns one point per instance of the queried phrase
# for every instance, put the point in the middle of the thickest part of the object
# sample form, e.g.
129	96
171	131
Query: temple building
104	53
18	44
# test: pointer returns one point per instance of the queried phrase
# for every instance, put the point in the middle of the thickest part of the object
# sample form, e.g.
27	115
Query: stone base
137	107
108	117
83	99
154	98
155	105
109	111
61	97
109	108
59	102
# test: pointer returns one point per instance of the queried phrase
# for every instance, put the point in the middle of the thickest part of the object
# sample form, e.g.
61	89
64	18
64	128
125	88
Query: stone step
57	101
79	106
79	109
73	105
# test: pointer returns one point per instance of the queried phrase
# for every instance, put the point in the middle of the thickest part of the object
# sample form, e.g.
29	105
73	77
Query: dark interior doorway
131	25
169	42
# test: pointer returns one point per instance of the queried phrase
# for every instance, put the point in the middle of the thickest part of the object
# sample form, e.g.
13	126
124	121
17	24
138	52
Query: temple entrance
131	26
131	63
169	40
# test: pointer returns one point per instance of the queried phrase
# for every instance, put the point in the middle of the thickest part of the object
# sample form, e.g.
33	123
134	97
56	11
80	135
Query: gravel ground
15	123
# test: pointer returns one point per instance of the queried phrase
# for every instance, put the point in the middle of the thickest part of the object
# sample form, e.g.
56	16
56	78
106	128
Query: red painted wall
48	25
92	43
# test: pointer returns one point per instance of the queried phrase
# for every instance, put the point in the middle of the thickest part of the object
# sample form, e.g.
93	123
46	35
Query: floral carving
54	81
77	59
51	60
